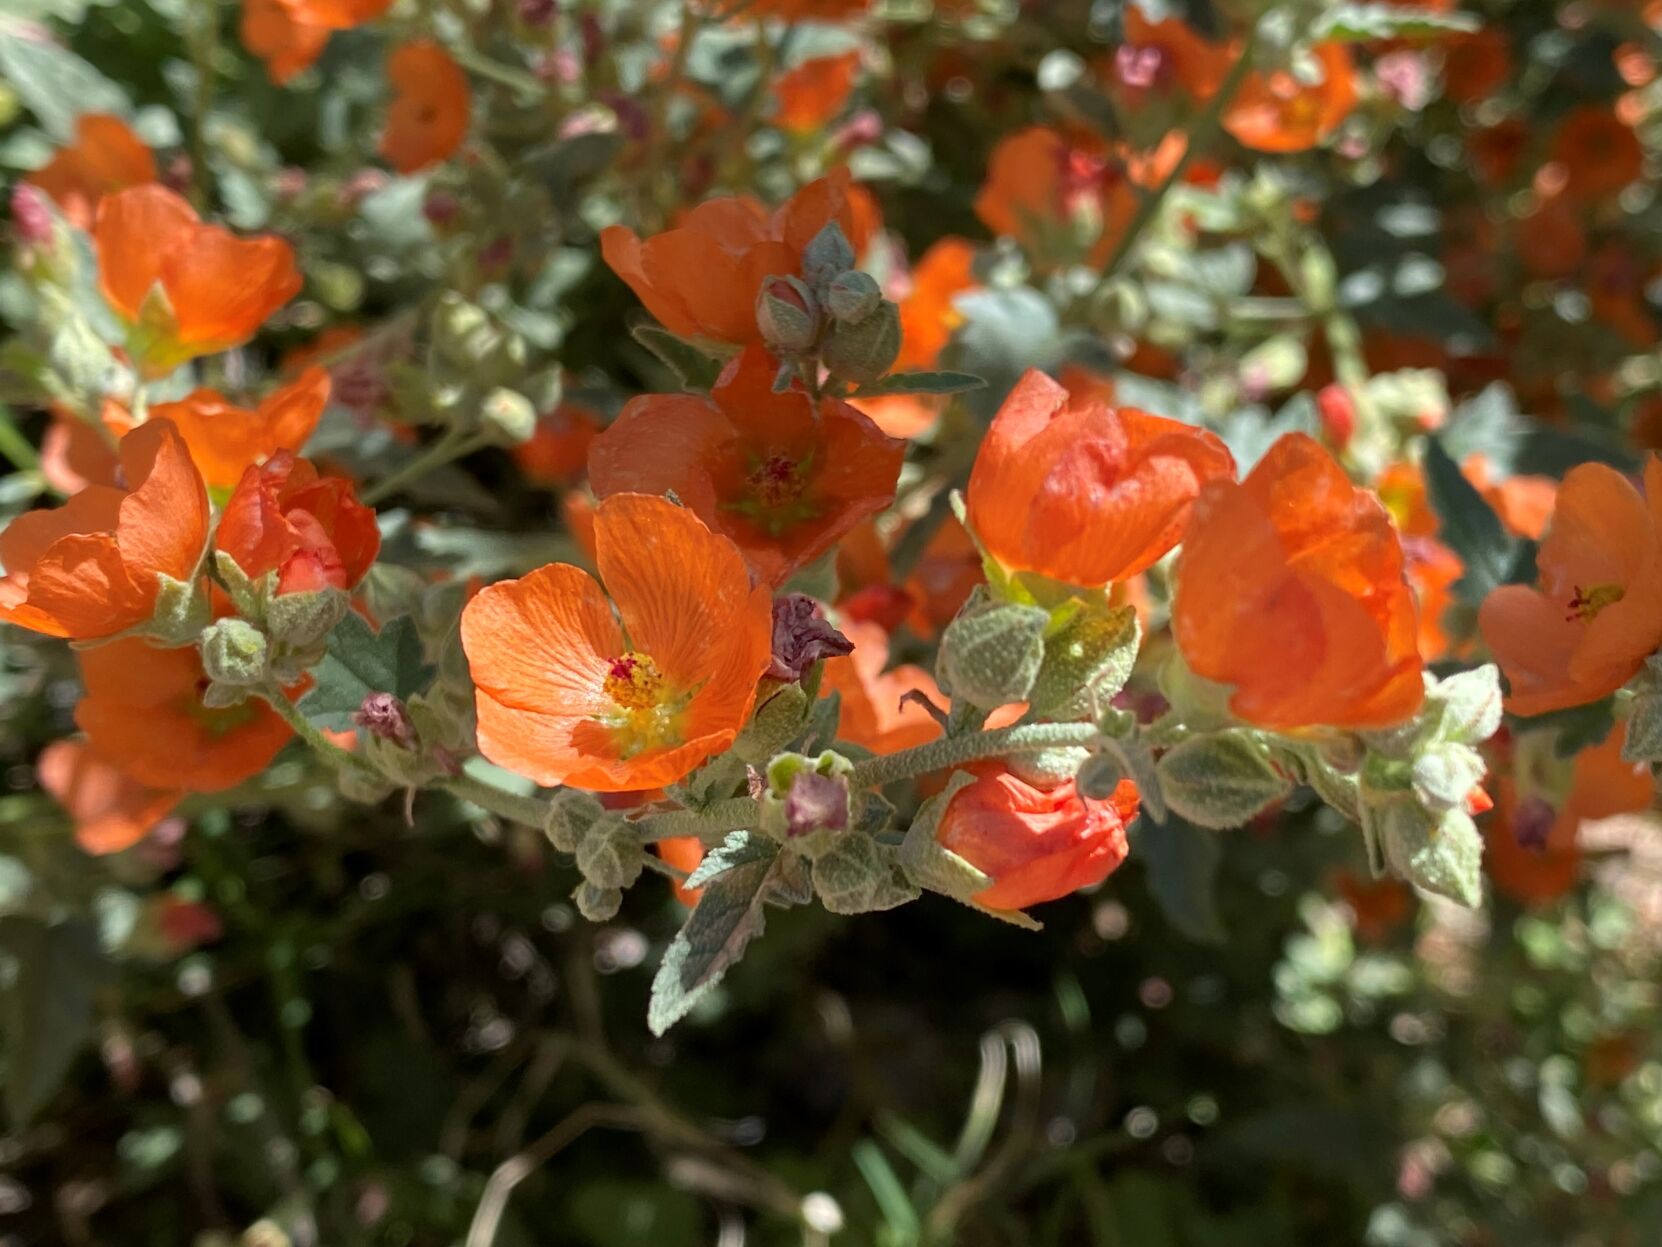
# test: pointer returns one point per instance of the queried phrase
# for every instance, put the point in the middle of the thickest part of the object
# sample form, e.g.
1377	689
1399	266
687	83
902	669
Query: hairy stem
954	751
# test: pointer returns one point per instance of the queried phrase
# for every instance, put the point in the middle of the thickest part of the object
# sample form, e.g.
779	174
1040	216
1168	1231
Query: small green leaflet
695	370
920	383
359	662
1359	22
57	85
728	916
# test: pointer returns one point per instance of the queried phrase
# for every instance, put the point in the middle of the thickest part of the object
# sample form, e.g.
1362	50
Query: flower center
776	481
634	682
1587	603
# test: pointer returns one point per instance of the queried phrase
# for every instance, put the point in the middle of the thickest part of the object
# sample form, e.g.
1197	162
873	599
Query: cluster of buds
831	312
480	382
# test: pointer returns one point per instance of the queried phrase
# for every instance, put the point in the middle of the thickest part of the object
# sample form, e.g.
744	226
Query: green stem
204	47
531	811
733	814
520	80
954	751
453	445
309	732
1210	122
16	447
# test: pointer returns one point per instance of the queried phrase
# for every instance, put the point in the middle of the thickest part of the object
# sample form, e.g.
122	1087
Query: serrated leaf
696	371
1362	22
1220	780
729	914
358	662
857	876
920	383
1441	854
46	1011
1182	862
57	85
741	848
1469	526
1644	730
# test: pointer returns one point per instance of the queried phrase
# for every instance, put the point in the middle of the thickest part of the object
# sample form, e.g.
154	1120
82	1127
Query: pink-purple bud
31	215
816	802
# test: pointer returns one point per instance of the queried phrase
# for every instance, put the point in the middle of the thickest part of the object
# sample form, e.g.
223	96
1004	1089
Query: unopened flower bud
788	315
816	802
301	618
1098	776
234	652
866	351
853	296
31	215
508	417
827	254
990	655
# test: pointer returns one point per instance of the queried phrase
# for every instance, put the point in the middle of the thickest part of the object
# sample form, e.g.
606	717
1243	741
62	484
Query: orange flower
288	35
89	569
184	288
683	853
112	811
143	710
1476	64
106	156
75	453
1597	613
700	279
1278	112
431	104
311	530
780	476
1377	906
568	693
944	577
927	315
225	439
1290	588
814	92
1600	154
1085	493
1156	55
928	320
558	451
873	716
1551	240
1530	873
1036	845
1056	196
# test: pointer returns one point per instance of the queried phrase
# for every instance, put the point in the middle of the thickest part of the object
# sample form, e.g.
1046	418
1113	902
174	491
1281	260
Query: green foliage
359	661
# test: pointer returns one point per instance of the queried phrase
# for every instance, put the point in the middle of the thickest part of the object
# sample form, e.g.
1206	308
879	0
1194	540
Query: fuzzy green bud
990	655
787	315
301	620
866	351
234	653
507	418
852	296
827	254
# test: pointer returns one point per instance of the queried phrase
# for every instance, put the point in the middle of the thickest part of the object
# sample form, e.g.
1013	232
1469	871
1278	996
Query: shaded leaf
1182	861
46	1003
728	916
696	371
359	662
1469	526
